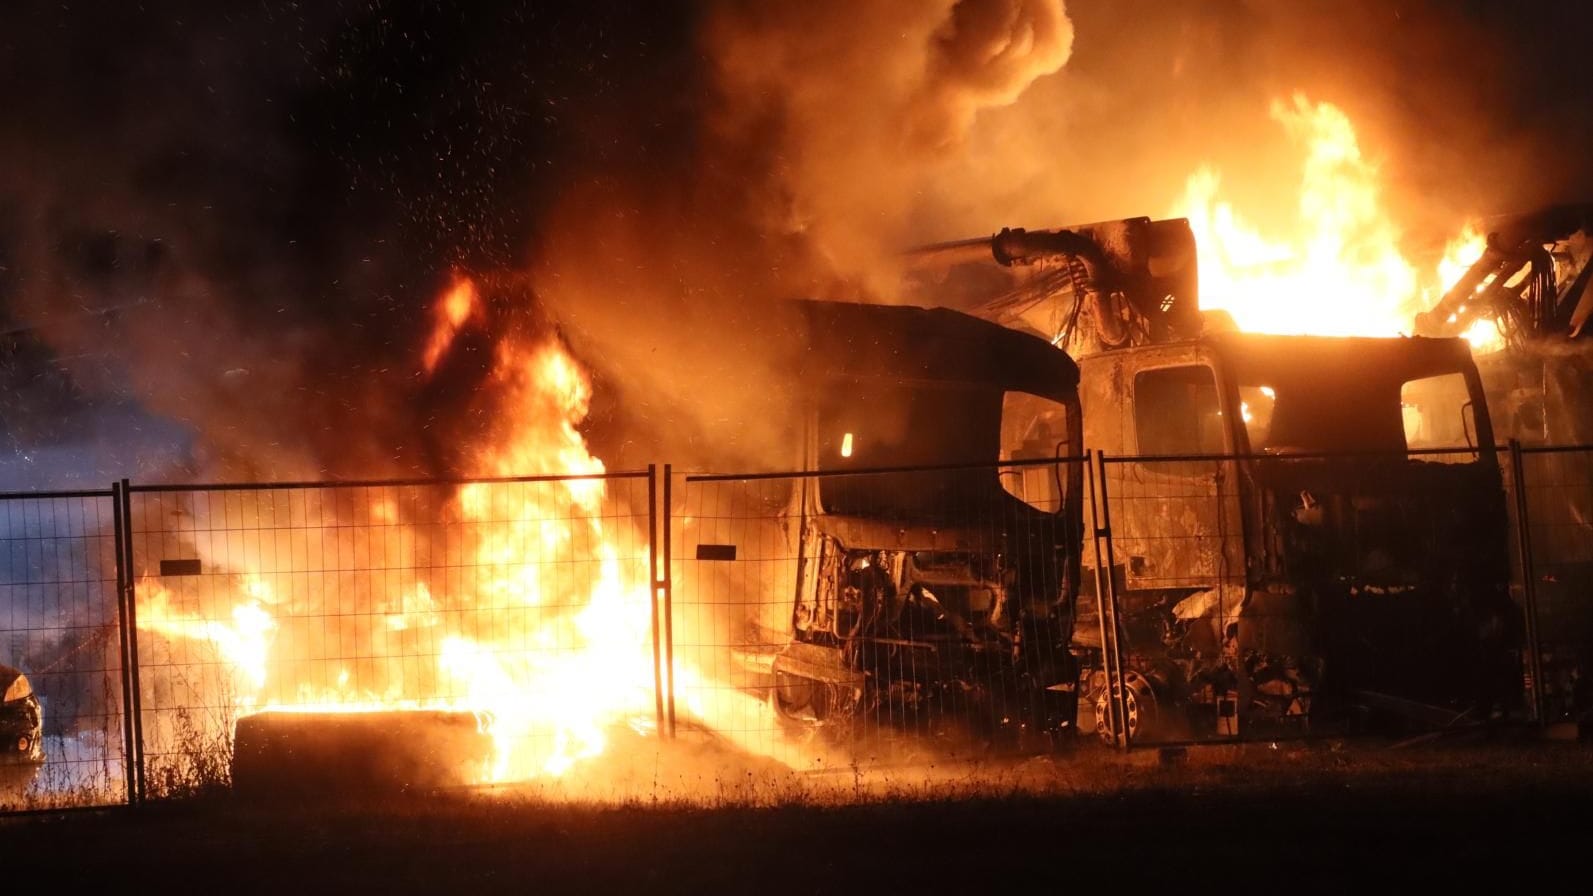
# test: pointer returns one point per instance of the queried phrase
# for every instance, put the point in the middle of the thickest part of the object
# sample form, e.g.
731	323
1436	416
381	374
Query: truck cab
1282	547
939	542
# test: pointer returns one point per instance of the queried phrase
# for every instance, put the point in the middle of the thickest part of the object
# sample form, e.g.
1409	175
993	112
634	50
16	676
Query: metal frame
125	664
135	706
1529	583
1106	602
127	575
803	479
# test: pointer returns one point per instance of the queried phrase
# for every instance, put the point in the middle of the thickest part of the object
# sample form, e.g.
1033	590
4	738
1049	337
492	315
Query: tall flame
550	655
1339	270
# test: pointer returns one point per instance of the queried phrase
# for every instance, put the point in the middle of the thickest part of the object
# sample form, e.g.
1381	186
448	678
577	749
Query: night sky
221	228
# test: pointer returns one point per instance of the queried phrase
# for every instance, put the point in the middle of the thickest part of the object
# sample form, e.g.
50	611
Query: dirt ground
1323	817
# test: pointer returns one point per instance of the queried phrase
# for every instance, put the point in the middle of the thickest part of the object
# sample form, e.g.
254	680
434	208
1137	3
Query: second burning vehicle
1294	530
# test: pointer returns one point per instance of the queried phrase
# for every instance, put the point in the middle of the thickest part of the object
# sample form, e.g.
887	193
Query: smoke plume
238	219
824	122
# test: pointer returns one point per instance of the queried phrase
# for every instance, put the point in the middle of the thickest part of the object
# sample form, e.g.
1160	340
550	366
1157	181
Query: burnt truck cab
935	588
1281	550
1295	529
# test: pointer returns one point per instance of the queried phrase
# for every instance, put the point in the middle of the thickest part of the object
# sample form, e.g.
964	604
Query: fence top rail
381	483
1301	455
80	493
871	471
1556	449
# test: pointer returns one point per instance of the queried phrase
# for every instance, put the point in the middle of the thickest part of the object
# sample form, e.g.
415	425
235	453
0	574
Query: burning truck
931	595
1281	552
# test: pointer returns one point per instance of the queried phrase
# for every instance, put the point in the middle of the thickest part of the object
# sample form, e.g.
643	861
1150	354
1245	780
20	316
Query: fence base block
350	754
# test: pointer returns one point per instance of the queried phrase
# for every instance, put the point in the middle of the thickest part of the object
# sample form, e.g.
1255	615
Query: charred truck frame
1277	556
929	593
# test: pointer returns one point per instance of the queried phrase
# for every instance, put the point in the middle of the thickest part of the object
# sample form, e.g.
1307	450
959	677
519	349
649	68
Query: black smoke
223	225
236	219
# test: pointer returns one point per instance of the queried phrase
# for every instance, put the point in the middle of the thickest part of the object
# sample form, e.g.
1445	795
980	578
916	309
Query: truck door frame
1154	507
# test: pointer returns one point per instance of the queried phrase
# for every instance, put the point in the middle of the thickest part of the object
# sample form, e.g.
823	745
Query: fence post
134	708
1106	602
119	536
666	587
654	577
1529	582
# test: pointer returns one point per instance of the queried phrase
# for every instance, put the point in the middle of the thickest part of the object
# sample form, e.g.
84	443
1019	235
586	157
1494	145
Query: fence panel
466	632
61	724
1178	547
1278	595
817	618
833	618
1558	488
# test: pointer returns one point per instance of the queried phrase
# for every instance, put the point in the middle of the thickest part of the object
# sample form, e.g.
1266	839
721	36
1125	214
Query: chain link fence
859	616
460	633
62	713
1556	500
417	633
1277	595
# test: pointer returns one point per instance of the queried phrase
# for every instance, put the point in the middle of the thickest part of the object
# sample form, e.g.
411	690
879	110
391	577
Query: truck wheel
1140	705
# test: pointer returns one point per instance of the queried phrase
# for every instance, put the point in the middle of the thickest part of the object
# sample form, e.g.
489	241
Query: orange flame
244	642
1340	271
548	655
1459	254
457	306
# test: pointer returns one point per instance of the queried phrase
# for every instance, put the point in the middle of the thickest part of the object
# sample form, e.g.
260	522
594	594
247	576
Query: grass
723	781
1309	817
195	761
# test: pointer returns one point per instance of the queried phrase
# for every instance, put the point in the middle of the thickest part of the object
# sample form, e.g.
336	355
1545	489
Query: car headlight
18	689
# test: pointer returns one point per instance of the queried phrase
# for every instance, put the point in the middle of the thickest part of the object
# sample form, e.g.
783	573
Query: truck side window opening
907	425
1437	413
1034	428
1177	412
1255	408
